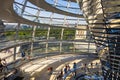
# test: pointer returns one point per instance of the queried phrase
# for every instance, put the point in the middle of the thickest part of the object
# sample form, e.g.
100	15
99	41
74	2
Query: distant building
81	34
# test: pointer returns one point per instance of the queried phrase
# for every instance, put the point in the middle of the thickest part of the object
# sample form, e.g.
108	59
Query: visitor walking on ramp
74	68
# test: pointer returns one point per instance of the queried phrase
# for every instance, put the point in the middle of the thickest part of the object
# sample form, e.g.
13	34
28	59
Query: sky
64	3
43	13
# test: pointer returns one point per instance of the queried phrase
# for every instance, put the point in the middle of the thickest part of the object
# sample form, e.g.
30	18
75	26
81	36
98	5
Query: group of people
50	70
66	70
59	77
86	68
3	64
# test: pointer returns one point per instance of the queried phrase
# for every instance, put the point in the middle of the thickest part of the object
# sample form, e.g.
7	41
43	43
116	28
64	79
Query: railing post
61	40
48	33
14	56
32	40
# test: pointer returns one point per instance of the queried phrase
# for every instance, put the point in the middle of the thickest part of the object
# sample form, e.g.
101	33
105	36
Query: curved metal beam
7	13
43	4
73	0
